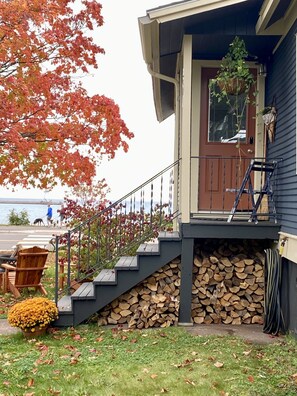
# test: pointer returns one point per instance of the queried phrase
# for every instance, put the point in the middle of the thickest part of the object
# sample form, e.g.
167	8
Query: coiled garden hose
273	316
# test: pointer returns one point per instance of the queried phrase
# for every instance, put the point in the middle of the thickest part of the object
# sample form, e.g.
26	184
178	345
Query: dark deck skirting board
232	230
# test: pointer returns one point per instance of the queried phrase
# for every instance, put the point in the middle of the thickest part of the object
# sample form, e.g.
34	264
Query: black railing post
57	274
69	262
152	203
161	200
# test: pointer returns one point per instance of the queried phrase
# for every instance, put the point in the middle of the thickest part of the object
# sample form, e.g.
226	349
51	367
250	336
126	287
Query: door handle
250	151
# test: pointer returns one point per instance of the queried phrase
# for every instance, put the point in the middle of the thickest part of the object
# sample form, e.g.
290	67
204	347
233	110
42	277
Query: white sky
122	76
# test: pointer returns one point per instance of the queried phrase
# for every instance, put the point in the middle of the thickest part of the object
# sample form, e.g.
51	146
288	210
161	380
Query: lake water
33	210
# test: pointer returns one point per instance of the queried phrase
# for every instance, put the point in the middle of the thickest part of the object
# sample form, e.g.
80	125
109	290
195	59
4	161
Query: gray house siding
281	87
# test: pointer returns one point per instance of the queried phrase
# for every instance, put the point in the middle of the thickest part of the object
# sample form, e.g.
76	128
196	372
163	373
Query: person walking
49	215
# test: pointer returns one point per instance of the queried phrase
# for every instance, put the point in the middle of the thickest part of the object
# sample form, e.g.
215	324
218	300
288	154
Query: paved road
27	236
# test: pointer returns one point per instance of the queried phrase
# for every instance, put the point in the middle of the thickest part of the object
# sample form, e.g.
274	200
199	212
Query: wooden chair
28	271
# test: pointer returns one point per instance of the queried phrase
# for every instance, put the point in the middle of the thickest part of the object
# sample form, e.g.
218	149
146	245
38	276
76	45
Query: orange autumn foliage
50	127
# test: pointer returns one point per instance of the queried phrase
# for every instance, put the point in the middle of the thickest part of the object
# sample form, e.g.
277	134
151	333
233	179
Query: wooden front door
224	153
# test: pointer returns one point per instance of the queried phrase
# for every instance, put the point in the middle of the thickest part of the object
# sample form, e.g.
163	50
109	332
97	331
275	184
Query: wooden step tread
106	276
64	304
127	263
169	235
86	290
148	248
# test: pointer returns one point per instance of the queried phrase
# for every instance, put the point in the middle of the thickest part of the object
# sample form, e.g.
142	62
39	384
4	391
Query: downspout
165	78
175	82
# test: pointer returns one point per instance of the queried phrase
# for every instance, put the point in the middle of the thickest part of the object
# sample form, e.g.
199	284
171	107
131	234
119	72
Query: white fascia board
144	25
149	36
267	10
181	10
283	25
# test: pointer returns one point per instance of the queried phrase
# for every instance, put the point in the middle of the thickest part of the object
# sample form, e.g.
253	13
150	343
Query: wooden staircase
91	297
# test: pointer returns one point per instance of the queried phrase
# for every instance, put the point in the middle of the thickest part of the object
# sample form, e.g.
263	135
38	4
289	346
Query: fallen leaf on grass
77	337
70	347
99	339
247	353
190	382
251	378
40	361
43	349
73	361
260	355
187	362
48	361
164	390
153	376
30	382
218	364
53	392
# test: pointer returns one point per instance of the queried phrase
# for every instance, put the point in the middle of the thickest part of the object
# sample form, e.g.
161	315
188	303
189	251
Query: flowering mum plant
37	312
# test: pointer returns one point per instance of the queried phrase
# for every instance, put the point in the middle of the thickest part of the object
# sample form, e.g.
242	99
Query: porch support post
187	258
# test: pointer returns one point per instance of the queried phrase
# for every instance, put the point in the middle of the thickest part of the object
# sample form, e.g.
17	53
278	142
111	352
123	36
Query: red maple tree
50	128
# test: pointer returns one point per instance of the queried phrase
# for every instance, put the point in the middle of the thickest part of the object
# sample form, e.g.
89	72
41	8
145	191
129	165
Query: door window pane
222	123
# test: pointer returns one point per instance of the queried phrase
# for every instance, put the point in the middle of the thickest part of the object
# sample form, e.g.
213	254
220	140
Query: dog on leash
38	221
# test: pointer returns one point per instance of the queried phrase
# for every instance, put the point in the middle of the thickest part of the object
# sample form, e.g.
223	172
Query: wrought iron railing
117	230
215	182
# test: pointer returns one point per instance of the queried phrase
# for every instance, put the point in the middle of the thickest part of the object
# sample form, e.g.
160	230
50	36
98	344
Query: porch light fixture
262	70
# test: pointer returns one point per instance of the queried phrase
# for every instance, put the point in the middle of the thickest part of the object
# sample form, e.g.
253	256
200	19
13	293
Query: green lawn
91	360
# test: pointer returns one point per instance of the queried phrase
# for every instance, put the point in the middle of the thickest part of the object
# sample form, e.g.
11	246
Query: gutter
171	80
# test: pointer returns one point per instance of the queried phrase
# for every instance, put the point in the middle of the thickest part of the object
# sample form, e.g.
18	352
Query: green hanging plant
234	76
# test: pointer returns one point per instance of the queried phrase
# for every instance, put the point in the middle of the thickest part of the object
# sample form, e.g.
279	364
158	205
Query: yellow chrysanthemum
38	311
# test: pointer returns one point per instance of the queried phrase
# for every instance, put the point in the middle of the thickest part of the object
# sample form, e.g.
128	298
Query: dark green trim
187	259
233	230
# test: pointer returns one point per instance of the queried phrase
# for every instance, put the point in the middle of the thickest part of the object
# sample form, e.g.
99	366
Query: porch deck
237	229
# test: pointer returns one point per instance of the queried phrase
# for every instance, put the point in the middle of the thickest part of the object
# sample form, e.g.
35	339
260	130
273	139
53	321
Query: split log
228	287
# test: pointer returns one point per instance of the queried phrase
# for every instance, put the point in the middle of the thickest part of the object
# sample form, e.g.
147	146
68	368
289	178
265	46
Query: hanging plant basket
233	86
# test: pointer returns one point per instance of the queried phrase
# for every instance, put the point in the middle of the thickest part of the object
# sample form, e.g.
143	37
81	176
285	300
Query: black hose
273	316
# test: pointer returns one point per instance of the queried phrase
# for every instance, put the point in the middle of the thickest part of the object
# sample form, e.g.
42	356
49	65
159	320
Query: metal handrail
115	231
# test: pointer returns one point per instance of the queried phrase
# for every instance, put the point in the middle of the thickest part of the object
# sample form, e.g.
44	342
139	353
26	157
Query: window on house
222	125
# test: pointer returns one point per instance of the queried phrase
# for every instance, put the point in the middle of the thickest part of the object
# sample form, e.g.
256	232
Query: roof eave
279	27
188	8
149	36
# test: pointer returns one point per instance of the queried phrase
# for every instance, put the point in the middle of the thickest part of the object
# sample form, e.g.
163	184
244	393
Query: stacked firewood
153	303
228	284
228	287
